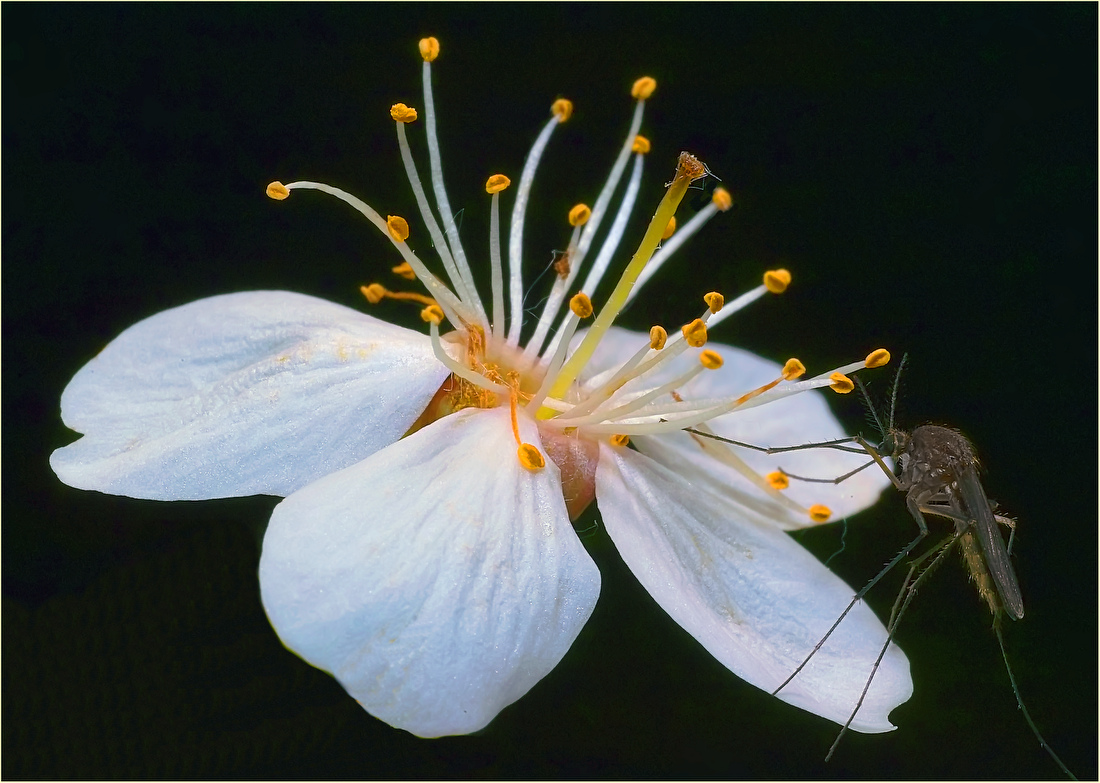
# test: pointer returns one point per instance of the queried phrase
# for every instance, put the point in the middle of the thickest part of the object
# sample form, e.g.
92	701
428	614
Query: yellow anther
793	369
620	440
579	215
432	314
657	337
641	144
778	479
496	183
398	227
404	270
695	333
715	301
643	88
722	199
403	113
375	292
712	360
581	305
877	358
429	48
841	383
670	229
820	513
277	191
530	457
562	108
777	280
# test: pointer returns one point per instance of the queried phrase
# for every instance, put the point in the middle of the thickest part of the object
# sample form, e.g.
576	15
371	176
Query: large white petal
795	420
437	580
242	394
755	599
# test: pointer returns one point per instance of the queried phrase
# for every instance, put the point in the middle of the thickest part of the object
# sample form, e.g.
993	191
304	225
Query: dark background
928	173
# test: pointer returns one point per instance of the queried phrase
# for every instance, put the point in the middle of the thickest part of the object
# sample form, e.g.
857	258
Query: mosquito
937	469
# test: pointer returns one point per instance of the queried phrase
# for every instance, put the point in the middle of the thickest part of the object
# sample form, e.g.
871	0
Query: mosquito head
894	443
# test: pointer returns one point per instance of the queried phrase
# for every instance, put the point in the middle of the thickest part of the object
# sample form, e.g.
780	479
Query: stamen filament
515	237
456	310
497	270
440	191
429	218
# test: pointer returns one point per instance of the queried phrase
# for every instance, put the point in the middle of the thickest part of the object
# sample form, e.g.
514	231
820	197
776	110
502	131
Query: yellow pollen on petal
402	113
619	440
277	191
641	144
432	314
841	383
670	229
375	292
562	108
820	513
712	360
643	88
581	305
530	457
579	215
715	301
695	333
404	270
657	337
793	369
429	48
722	199
496	183
877	358
398	227
778	480
777	280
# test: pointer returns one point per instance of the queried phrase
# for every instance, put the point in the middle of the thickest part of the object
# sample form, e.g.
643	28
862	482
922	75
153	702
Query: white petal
251	393
437	580
801	418
755	599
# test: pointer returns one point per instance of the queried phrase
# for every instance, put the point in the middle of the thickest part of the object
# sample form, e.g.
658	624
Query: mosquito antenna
1023	709
872	414
894	388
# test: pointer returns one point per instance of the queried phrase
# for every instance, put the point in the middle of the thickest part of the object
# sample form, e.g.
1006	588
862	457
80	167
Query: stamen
460	285
432	314
778	480
820	513
277	191
877	358
657	337
530	457
793	369
457	311
777	280
494	187
620	441
695	333
715	301
841	384
670	229
438	188
398	227
376	292
581	305
519	212
404	270
402	113
711	360
688	170
429	48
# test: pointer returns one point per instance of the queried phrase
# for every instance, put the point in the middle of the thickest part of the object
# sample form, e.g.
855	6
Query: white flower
424	553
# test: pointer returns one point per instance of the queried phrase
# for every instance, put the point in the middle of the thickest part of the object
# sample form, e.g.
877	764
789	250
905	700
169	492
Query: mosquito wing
989	539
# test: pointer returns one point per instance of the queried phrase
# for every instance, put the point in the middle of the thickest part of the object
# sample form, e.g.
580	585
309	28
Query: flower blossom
424	553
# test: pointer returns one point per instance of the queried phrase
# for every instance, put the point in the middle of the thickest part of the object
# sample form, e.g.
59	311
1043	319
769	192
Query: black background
928	173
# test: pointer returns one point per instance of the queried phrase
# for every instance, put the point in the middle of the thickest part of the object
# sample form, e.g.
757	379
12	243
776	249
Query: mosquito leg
838	444
909	591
